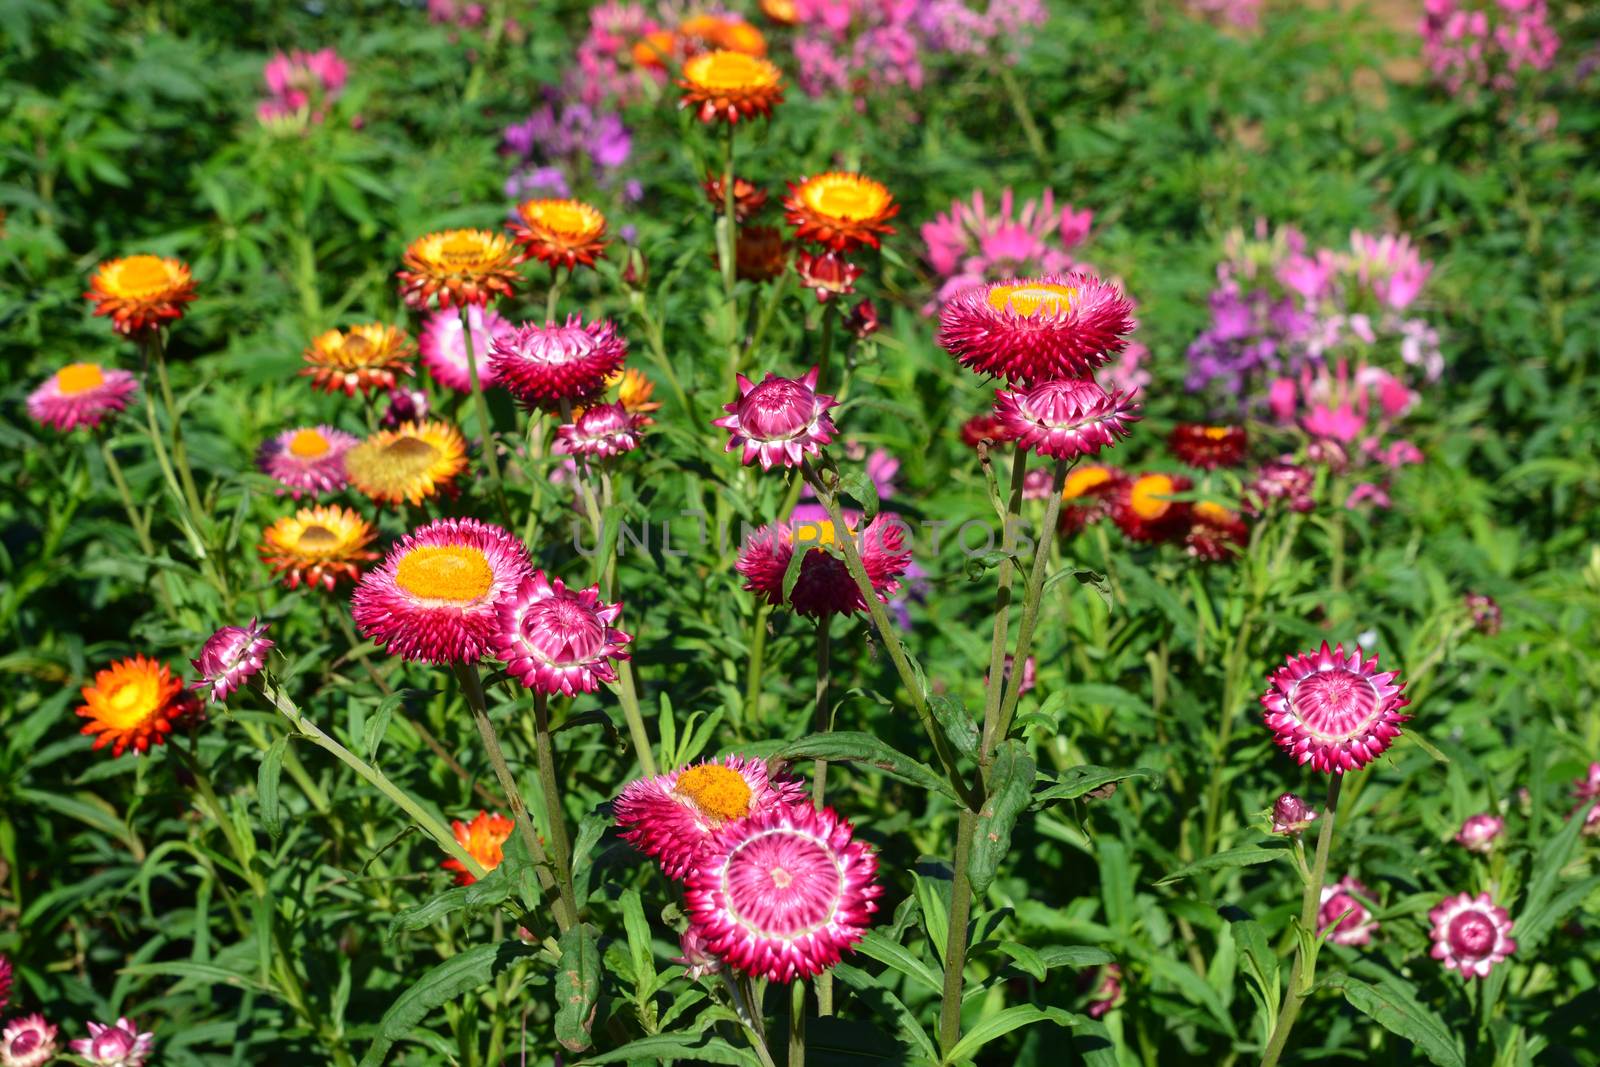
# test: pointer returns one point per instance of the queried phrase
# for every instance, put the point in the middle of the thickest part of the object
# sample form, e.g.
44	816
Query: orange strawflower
780	11
140	293
412	462
459	267
748	198
633	392
365	358
484	839
133	702
318	546
730	86
761	253
655	48
562	233
840	211
728	32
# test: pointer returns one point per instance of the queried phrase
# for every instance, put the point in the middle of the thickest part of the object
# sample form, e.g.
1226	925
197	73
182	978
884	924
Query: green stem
230	833
1309	903
490	457
555	293
1024	113
1002	610
730	255
820	719
797	1024
955	951
180	454
758	636
1238	654
141	526
168	475
552	797
1032	598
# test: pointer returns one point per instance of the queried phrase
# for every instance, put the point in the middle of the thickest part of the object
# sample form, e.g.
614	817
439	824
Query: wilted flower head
1335	712
230	657
1485	613
81	394
697	959
1479	832
1471	934
1358	926
748	198
778	421
1291	815
559	640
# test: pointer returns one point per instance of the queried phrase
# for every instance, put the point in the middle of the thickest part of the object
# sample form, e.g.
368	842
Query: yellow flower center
411	450
814	534
1146	496
308	444
79	378
142	276
562	216
355	348
317	537
1081	481
719	792
729	71
127	704
1213	512
461	249
1216	433
853	200
1032	299
445	572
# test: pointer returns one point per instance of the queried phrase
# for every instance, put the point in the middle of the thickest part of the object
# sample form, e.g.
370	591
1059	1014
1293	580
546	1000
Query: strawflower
1291	815
559	640
778	421
560	233
141	293
1143	507
1480	832
81	394
1346	896
545	365
484	839
230	657
1031	330
412	463
365	358
1066	417
118	1044
452	268
307	460
824	586
840	211
730	86
133	703
443	343
601	432
27	1041
1471	934
1208	447
827	275
318	547
1334	712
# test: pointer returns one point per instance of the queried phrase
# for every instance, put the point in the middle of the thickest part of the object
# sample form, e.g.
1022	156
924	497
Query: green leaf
852	746
897	957
1075	782
791	573
267	786
638	927
691	1048
1396	1009
577	988
884	1005
1552	857
1233	857
462	973
957	724
862	490
1009	789
1073	956
1002	1023
1260	963
204	973
1533	926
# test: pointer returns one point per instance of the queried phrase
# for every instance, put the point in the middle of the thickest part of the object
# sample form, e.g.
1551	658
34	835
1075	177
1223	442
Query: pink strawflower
1032	330
406	405
443	346
1479	833
118	1044
697	960
433	598
1471	934
1066	417
1335	712
559	640
307	460
1106	984
27	1041
1285	480
1347	895
1291	815
671	817
602	431
824	586
783	893
826	274
230	657
81	394
778	421
546	365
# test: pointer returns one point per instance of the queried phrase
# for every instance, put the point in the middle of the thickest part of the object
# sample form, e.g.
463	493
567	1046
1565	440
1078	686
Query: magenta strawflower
27	1041
1479	832
672	816
1105	985
1335	712
1358	926
780	420
309	459
119	1044
443	346
783	893
1471	934
1291	815
824	586
433	597
1066	417
697	960
81	394
559	640
230	657
602	431
1031	330
544	365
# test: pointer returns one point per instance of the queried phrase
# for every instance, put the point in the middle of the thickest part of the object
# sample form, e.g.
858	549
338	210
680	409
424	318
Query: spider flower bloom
544	365
1144	509
309	459
1035	329
1087	495
671	817
432	599
134	702
229	658
779	420
559	640
602	431
1066	417
1479	833
140	293
27	1041
1291	815
761	253
826	275
783	893
81	394
412	463
1208	447
840	211
1470	934
1215	532
318	547
824	586
366	358
1336	712
444	347
730	86
1343	896
458	267
118	1044
748	198
562	233
484	839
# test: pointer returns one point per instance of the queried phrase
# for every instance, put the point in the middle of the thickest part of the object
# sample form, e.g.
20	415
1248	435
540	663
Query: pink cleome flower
559	640
546	365
1586	791
1335	712
231	656
778	421
1066	417
301	85
824	586
783	893
1470	934
1031	330
1345	898
443	347
81	394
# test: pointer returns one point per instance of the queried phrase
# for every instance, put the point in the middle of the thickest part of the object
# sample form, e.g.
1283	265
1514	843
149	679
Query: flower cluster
627	52
301	86
972	243
562	143
31	1041
1483	44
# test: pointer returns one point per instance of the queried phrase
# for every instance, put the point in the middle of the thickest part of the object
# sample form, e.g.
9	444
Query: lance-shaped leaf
461	973
855	747
1395	1008
957	724
577	988
1009	789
